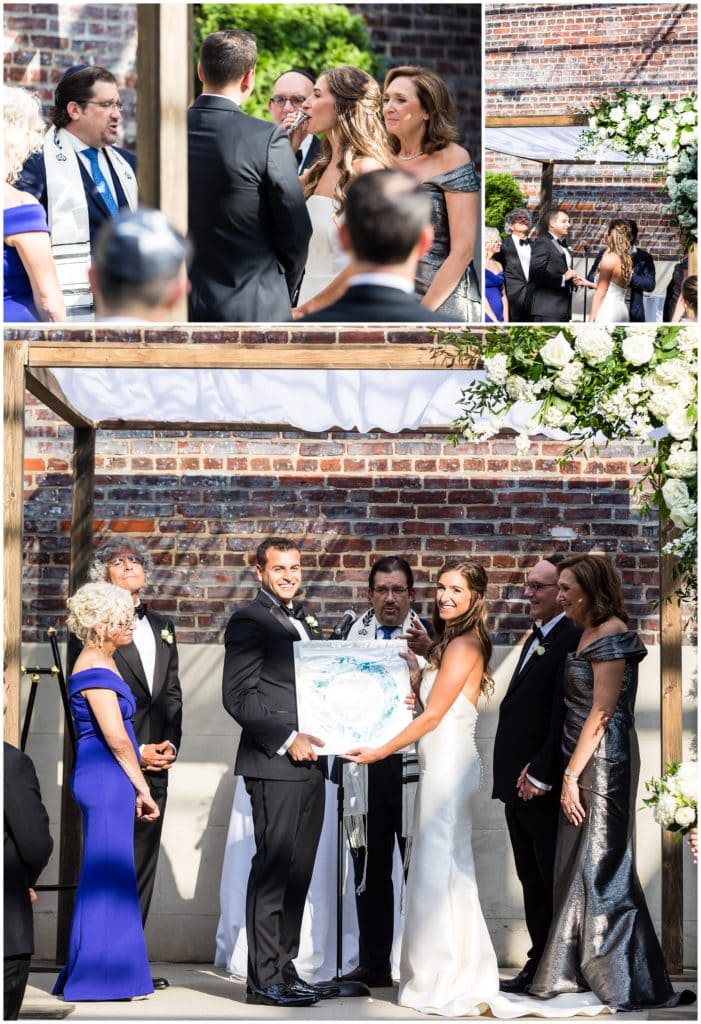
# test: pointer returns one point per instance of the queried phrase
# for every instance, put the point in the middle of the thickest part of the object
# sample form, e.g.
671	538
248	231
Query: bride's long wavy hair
619	239
359	128
473	621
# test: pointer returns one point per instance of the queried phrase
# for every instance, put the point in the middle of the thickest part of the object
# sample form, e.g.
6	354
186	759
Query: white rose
556	352
681	461
568	379
685	816
519	388
664	401
680	424
683	516
638	349
497	367
675	492
594	345
665	810
686	781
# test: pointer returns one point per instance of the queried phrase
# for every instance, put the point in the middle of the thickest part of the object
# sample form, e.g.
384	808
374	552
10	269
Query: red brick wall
555	59
203	501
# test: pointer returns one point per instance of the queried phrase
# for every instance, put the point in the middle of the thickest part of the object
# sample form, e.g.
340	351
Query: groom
551	274
249	223
283	775
527	755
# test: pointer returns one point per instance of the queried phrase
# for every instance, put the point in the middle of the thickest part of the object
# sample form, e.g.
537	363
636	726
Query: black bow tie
524	241
140	610
536	631
295	611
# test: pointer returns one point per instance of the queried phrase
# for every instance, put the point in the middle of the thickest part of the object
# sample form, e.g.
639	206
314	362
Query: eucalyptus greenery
599	384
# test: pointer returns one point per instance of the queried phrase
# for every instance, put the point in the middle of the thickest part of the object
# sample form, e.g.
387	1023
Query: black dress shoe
160	982
521	982
369	976
321	990
279	995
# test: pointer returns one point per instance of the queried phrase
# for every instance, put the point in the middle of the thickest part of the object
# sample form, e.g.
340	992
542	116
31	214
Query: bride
448	964
609	301
345	108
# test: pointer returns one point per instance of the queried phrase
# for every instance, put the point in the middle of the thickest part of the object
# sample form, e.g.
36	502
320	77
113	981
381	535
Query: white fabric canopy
551	143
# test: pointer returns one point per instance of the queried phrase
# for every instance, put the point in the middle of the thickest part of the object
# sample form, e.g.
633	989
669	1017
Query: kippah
140	246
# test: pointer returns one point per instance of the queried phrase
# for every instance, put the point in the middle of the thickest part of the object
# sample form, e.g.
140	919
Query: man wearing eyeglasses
527	755
390	783
149	666
80	177
290	91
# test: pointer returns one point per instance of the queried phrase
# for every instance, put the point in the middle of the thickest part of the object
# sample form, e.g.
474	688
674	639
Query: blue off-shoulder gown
18	300
107	956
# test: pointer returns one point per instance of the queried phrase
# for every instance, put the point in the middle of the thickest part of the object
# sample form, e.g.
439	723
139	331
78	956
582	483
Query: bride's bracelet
569	774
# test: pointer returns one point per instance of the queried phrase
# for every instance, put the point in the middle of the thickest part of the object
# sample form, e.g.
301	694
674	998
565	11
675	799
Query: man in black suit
387	229
528	757
248	219
79	176
282	772
26	851
390	616
643	277
149	666
290	91
552	276
515	258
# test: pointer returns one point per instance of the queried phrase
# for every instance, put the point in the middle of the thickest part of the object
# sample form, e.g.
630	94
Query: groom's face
281	575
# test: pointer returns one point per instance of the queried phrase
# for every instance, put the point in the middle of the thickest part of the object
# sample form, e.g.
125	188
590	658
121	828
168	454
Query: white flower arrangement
673	797
167	635
311	621
585	380
655	127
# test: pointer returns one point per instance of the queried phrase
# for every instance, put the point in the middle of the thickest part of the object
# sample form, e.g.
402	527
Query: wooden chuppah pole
545	201
14	362
671	750
83	504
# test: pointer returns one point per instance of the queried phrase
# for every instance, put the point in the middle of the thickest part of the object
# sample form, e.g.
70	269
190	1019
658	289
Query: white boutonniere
540	650
311	621
167	635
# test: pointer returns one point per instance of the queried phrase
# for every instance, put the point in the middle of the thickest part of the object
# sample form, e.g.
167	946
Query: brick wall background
203	501
42	40
556	58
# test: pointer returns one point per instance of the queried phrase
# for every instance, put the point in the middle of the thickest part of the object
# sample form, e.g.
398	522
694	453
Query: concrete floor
199	992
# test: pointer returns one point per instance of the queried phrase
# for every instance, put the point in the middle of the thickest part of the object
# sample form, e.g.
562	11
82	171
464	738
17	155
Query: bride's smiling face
321	108
453	596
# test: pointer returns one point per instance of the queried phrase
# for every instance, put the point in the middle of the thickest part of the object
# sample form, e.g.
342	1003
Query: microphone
341	629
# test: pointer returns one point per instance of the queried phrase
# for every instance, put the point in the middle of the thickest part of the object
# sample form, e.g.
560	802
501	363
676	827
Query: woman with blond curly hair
31	290
609	301
107	956
345	108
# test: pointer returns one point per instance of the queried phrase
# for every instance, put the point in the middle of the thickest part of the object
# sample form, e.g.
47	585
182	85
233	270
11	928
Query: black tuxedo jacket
26	851
33	179
258	689
374	303
531	716
312	155
642	280
551	299
158	715
519	290
248	219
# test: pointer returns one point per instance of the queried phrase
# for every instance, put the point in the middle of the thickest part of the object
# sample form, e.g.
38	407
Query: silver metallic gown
601	937
464	301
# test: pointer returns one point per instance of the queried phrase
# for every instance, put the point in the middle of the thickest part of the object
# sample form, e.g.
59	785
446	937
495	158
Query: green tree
501	194
310	36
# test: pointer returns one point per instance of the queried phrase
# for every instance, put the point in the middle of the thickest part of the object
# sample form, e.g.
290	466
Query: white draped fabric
545	143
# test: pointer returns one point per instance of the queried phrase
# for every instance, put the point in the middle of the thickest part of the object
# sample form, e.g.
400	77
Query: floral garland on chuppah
658	128
599	384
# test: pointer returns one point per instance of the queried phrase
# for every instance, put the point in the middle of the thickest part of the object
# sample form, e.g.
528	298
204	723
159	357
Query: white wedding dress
448	964
613	310
326	258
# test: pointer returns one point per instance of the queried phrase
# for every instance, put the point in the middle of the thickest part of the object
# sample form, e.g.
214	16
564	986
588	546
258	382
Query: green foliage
310	36
501	194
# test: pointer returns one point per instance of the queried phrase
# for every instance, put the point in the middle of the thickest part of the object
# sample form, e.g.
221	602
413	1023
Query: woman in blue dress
421	118
107	956
30	286
496	304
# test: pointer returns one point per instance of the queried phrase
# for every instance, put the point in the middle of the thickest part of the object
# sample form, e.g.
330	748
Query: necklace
412	156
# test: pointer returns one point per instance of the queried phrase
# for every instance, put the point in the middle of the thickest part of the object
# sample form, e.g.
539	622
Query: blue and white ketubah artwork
351	693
